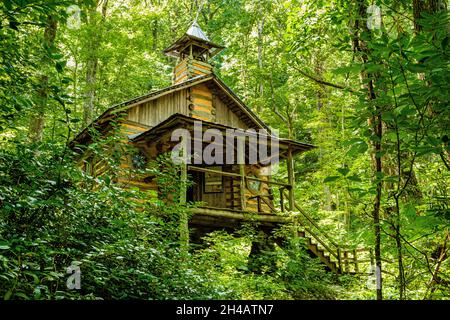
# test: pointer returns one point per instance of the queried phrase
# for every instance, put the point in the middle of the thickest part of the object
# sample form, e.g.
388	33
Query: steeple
193	50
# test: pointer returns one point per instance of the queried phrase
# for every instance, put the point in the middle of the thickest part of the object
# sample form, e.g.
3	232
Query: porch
220	188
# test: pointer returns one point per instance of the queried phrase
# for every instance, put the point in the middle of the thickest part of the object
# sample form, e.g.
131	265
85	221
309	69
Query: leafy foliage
305	67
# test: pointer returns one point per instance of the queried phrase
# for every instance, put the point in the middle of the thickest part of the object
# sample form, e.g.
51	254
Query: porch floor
223	217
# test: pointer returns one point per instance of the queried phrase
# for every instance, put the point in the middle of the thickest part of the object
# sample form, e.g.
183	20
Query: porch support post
184	227
290	170
241	162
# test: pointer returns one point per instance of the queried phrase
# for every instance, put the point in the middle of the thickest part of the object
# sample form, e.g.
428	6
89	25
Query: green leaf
343	171
358	148
331	179
60	66
22	295
417	68
7	295
444	43
388	116
372	67
349	142
354	178
354	68
409	210
34	276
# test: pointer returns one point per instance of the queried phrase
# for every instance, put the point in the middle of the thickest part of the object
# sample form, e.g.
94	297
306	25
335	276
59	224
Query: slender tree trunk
419	6
360	47
320	95
155	34
36	127
260	54
442	256
92	63
378	128
399	246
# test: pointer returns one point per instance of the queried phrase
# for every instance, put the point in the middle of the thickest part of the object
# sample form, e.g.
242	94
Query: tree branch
444	161
323	82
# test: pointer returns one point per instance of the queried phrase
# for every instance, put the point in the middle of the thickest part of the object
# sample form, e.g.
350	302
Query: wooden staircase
337	258
320	253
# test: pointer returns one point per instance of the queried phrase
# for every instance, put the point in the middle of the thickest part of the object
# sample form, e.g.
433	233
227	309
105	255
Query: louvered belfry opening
193	51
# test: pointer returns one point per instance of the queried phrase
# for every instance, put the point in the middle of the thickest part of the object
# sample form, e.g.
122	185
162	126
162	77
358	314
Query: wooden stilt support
184	228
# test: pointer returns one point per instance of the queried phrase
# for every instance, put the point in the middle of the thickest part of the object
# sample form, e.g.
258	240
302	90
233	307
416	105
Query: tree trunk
155	34
378	128
360	47
425	6
92	63
320	95
442	257
36	126
260	55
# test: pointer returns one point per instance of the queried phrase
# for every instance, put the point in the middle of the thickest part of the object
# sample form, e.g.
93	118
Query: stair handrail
335	254
262	197
339	249
314	224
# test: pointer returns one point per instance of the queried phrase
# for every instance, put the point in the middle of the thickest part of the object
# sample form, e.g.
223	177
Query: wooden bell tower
193	51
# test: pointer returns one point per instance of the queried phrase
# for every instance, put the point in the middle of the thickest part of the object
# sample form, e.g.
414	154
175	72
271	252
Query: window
139	161
213	181
253	185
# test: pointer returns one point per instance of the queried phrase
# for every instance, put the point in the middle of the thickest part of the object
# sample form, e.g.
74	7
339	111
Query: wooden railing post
346	260
241	162
282	199
339	259
355	260
291	179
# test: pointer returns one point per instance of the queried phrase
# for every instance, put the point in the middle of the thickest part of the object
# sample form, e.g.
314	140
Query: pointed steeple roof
197	32
194	36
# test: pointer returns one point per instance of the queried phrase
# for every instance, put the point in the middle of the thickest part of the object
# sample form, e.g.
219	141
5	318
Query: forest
366	82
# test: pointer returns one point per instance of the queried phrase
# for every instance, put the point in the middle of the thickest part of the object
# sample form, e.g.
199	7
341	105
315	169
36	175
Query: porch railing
347	259
261	199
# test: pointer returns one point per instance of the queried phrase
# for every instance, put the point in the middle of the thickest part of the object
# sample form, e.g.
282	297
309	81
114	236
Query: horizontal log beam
236	175
243	216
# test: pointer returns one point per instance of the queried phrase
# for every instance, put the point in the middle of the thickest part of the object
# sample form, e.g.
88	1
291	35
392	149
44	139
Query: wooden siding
225	116
252	204
201	103
131	127
189	68
155	111
197	102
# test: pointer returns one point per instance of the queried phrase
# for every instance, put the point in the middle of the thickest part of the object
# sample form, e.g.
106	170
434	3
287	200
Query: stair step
316	249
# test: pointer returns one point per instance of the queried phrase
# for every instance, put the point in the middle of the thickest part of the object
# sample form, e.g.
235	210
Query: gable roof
238	106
